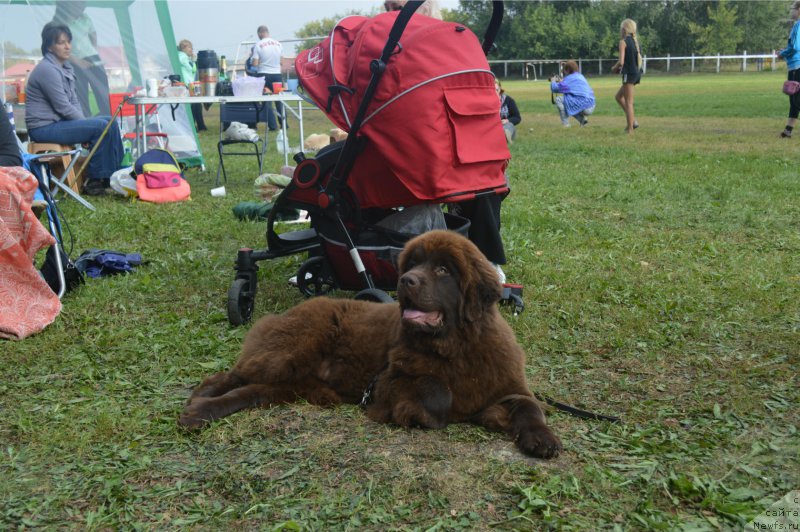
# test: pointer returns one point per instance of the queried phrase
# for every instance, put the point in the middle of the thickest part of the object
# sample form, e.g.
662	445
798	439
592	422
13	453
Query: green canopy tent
138	34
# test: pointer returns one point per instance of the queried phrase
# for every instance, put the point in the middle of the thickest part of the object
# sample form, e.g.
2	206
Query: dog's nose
409	280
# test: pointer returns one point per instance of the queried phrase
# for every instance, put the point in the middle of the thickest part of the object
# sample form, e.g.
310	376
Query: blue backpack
159	177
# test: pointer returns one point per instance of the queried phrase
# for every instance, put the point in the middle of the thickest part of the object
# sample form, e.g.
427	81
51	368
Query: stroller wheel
240	302
374	294
313	277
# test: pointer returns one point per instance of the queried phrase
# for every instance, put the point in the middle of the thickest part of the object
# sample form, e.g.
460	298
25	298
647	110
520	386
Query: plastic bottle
127	158
22	87
223	68
280	142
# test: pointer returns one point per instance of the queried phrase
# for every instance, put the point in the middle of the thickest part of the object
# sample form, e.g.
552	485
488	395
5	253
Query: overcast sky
210	24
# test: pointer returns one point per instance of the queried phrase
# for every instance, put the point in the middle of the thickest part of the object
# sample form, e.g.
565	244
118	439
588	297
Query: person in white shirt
266	58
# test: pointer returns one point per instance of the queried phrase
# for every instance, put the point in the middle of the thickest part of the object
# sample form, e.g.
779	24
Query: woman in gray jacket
53	113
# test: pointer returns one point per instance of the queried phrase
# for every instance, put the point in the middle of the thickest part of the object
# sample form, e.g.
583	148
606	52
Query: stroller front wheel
240	302
314	277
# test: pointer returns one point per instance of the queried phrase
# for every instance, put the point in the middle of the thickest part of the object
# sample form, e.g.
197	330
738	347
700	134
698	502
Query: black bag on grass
72	277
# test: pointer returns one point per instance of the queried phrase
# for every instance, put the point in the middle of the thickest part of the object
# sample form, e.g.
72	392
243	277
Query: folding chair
57	263
247	113
155	139
61	158
50	158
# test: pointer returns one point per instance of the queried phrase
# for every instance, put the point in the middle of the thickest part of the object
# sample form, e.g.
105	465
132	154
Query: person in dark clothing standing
630	66
792	55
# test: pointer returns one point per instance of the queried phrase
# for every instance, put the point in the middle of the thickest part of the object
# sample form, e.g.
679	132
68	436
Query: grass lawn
662	284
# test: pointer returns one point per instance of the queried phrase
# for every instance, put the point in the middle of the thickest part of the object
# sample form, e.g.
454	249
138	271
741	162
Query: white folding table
290	101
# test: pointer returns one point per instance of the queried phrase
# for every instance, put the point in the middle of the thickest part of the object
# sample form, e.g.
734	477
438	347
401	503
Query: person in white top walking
266	58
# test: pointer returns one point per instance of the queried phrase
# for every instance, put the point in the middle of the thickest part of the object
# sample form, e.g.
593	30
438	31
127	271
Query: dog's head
445	282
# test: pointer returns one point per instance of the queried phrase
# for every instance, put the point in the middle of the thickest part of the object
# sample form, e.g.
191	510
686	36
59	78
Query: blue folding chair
61	275
247	113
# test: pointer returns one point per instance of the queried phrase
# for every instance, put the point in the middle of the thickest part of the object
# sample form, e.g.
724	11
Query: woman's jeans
106	159
794	99
510	131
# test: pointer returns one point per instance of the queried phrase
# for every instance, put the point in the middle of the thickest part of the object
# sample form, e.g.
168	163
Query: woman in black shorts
629	65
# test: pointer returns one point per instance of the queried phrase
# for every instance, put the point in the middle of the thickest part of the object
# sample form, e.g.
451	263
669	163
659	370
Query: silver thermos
208	71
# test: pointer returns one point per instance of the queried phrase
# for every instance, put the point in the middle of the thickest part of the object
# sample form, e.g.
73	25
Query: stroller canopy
432	128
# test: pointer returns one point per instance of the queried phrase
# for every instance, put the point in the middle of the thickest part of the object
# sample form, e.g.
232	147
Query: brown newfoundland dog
442	354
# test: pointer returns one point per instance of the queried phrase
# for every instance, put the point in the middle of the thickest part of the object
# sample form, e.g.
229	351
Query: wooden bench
58	163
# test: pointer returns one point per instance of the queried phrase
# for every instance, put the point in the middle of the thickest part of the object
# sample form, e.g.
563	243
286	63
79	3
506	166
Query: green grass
661	283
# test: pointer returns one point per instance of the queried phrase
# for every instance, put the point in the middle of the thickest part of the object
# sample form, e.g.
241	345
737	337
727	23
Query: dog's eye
441	270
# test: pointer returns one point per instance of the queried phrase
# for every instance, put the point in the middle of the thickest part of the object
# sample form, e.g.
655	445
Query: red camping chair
155	139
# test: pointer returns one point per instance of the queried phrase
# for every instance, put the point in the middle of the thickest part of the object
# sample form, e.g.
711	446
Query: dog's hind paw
541	443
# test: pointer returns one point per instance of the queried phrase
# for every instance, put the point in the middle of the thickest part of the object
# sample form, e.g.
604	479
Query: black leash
577	412
366	399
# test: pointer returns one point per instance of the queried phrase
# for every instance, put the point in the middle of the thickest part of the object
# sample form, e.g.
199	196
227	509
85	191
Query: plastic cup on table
152	88
277	87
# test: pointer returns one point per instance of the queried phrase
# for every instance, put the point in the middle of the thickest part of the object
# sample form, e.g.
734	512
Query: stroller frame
337	161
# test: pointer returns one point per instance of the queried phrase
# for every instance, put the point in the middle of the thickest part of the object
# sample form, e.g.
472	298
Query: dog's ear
402	261
481	286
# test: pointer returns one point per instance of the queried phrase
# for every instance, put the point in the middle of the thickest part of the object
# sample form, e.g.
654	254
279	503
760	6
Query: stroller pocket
475	125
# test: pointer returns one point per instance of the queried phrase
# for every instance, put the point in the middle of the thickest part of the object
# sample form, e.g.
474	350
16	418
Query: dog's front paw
194	416
541	443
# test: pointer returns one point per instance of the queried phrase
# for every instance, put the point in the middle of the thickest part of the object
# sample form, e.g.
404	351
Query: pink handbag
791	87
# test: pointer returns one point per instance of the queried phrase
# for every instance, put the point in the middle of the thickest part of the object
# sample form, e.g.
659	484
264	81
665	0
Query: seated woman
53	112
575	96
509	112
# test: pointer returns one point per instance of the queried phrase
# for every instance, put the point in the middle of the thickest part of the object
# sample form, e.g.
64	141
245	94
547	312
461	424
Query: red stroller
423	129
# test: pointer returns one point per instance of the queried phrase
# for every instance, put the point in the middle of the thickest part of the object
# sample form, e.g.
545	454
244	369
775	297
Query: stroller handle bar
494	26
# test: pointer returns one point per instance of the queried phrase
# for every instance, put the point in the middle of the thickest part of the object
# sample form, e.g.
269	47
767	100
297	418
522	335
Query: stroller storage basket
378	248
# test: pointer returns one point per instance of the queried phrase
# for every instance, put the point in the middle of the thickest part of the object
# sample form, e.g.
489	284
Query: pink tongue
429	318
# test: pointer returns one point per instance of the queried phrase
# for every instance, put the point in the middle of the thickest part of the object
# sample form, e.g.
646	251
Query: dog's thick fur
442	354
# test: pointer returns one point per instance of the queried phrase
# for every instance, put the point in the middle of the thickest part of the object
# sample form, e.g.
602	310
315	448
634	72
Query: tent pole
171	44
162	11
128	42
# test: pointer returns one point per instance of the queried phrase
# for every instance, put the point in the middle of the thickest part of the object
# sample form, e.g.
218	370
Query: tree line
590	28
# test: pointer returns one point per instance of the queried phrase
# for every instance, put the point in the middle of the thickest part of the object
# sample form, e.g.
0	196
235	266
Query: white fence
544	68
